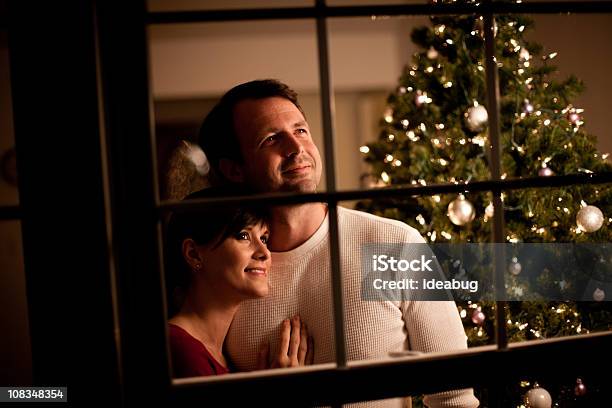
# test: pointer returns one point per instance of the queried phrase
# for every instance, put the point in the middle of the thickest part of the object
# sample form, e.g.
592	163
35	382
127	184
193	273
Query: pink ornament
421	98
478	317
573	117
580	389
545	172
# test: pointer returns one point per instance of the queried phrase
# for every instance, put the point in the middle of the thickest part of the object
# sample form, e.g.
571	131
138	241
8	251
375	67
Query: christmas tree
434	131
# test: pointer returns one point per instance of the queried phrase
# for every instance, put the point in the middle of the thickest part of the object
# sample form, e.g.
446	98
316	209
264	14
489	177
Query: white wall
208	59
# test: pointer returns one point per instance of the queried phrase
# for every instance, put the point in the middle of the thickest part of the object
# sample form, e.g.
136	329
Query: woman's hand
296	347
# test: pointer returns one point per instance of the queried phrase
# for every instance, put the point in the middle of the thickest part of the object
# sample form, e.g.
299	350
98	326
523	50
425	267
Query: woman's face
239	266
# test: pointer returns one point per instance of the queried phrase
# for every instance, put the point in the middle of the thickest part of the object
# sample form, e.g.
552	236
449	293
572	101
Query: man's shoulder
375	224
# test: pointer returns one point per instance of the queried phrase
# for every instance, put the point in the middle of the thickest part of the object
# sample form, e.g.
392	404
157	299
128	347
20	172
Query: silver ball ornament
589	218
461	211
476	118
515	267
197	157
538	397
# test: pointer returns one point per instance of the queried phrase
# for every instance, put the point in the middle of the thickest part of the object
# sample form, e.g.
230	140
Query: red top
189	356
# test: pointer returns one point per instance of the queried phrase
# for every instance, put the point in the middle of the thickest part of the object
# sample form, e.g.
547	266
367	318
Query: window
130	176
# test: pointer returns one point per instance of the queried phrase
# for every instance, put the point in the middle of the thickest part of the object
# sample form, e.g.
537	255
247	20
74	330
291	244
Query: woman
215	261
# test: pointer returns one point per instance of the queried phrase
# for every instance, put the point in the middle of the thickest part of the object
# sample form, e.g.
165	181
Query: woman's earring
198	267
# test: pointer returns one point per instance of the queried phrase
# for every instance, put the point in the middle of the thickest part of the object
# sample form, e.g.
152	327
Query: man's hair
217	135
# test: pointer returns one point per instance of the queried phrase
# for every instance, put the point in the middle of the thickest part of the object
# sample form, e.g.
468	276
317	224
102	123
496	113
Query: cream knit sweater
300	283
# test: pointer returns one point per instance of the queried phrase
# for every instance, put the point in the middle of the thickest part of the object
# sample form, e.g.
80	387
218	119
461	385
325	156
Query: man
258	135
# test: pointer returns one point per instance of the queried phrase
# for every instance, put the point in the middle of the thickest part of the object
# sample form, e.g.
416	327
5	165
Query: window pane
390	310
572	225
193	65
366	57
556	116
418	87
235	268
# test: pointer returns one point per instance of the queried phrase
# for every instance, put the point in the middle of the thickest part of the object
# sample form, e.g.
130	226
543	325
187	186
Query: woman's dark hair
207	226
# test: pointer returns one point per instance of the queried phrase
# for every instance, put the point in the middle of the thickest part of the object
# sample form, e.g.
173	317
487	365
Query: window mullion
327	105
495	165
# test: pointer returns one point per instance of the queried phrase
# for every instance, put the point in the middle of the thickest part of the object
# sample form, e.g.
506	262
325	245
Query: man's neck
293	225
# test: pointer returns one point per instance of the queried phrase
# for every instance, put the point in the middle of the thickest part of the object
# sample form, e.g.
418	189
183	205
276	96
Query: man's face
277	147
